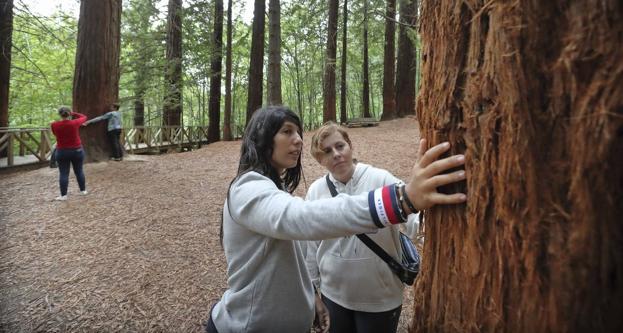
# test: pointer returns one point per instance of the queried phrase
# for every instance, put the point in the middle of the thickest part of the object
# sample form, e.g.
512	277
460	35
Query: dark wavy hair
256	150
257	146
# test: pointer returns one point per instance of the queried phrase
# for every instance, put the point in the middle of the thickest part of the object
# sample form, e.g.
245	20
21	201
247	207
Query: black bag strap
393	264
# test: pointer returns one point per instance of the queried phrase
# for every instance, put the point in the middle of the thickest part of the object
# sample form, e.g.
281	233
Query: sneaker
84	192
61	198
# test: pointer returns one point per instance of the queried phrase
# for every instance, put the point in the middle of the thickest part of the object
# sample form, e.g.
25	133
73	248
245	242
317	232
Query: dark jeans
115	145
209	325
65	157
344	320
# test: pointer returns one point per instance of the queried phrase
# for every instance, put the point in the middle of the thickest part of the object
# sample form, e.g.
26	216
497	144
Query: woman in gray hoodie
269	287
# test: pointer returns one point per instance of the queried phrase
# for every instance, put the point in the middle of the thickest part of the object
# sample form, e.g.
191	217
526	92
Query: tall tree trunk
366	75
6	31
406	66
531	92
96	76
228	64
389	63
256	62
343	115
273	82
214	109
328	91
172	109
299	98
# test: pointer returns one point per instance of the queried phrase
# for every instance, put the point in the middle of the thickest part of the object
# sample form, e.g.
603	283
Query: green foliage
44	52
42	67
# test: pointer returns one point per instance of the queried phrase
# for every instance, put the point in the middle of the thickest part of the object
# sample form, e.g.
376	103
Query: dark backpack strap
393	264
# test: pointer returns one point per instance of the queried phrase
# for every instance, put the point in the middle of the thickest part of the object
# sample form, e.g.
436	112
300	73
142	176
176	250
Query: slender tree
531	92
273	82
328	91
389	63
172	106
6	31
214	109
96	76
228	64
366	73
406	66
256	63
343	115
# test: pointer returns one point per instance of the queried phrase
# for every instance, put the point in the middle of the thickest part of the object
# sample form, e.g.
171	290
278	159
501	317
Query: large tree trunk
96	76
214	109
228	64
6	31
406	64
273	80
389	63
172	108
366	75
328	91
531	92
343	79
256	62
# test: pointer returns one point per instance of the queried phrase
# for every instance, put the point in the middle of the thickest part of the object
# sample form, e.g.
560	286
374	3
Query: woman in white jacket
269	288
358	288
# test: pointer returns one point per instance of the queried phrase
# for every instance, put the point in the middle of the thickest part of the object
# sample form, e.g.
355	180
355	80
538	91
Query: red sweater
66	131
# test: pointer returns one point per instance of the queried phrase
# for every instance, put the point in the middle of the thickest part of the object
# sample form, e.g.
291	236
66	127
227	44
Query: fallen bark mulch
141	251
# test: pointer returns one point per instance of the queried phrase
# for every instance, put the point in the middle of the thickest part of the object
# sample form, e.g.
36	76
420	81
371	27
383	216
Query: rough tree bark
214	107
228	63
343	79
406	63
256	62
389	63
328	91
366	75
6	31
532	93
96	75
172	106
273	79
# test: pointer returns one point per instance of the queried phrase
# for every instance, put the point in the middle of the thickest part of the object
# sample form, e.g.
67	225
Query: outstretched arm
99	118
428	175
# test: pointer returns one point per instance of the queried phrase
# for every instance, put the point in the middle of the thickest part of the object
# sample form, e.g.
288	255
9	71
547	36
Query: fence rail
25	146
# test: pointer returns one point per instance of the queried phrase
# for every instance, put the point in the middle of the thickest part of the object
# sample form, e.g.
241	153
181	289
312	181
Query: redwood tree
96	76
6	31
273	80
531	92
172	106
256	62
328	91
366	75
406	64
343	114
214	108
389	63
228	63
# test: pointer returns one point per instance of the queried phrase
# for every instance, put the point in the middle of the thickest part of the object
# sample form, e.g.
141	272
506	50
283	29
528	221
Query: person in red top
69	149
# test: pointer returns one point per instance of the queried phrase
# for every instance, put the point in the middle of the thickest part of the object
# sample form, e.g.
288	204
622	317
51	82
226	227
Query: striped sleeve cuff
383	205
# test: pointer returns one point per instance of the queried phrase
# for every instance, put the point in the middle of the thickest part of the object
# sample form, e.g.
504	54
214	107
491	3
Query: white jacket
345	269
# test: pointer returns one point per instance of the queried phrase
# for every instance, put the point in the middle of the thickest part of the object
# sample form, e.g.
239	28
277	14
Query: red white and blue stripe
384	208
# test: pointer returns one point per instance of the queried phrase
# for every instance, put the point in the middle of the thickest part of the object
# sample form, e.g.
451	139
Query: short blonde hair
322	133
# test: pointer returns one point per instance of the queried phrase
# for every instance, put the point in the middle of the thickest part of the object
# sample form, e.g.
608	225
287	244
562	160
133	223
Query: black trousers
344	320
115	145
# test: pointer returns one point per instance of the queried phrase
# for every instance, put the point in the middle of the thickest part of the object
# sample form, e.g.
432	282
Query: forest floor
141	251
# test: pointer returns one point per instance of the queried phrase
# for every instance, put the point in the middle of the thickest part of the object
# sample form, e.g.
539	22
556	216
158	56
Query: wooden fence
24	146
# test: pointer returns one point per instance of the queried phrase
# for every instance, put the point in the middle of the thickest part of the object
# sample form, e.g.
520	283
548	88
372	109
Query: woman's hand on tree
427	175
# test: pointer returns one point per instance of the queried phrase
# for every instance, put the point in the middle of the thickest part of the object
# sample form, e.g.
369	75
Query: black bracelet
407	201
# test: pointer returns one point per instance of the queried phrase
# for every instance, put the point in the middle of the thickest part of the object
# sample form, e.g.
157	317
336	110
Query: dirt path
140	252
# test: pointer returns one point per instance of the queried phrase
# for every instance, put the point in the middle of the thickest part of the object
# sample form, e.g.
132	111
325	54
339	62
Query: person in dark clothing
114	130
69	149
